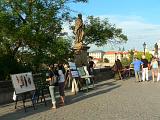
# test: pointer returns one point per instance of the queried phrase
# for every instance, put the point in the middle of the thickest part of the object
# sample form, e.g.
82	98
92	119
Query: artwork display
73	69
74	74
23	82
72	66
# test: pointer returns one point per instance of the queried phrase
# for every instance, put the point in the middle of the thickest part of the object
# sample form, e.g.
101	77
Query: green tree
106	60
31	31
125	61
100	32
147	54
131	55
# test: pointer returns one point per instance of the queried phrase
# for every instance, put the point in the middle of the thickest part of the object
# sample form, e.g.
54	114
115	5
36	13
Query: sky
139	20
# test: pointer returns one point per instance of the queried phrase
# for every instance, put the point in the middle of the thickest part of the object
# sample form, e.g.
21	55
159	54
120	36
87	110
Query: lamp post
144	47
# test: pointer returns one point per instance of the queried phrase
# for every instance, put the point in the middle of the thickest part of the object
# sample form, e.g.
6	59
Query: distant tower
156	49
158	43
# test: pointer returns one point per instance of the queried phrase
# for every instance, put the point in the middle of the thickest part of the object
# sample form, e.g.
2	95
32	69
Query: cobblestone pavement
110	100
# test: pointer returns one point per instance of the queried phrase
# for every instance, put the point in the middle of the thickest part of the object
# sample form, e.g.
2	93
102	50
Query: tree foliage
147	55
125	61
100	32
31	32
106	60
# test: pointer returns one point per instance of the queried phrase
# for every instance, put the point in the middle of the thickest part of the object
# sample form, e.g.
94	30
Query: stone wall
6	92
6	87
103	74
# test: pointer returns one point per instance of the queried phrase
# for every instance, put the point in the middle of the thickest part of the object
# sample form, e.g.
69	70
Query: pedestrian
154	66
144	68
137	67
158	77
91	66
51	78
61	73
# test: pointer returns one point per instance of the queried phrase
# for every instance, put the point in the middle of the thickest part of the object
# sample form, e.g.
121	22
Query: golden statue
79	30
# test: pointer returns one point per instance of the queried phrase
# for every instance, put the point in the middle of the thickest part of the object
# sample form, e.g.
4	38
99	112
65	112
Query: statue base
80	54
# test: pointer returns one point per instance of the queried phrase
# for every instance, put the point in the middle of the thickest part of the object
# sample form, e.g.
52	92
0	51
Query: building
97	54
113	55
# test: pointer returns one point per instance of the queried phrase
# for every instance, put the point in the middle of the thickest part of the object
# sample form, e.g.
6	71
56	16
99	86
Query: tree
131	55
106	60
125	61
100	32
33	28
123	49
147	54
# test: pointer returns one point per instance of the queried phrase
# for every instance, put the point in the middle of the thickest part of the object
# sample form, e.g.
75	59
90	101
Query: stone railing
6	87
6	92
103	74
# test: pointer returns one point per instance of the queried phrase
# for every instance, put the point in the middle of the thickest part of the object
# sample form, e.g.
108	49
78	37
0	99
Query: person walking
137	67
91	65
51	78
158	76
154	65
61	73
144	68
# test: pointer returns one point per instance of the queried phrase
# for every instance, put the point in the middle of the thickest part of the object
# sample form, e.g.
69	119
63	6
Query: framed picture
74	74
72	66
23	82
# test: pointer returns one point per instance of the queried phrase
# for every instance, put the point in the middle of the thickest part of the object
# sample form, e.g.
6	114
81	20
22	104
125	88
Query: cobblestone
110	100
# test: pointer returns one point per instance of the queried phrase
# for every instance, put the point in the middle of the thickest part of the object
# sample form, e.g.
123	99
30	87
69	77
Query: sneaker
54	106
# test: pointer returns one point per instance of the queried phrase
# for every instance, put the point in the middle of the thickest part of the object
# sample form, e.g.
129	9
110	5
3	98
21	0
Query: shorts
91	71
154	69
61	89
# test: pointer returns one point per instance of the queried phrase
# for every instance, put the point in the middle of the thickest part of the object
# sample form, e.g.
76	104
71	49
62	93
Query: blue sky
139	19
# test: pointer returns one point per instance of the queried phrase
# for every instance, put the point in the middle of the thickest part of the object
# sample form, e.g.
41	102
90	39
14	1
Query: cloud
137	30
135	27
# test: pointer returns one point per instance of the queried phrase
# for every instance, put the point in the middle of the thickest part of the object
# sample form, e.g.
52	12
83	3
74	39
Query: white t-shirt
61	76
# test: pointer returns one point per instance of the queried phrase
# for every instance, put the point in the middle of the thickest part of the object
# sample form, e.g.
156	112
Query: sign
73	69
72	66
23	82
74	74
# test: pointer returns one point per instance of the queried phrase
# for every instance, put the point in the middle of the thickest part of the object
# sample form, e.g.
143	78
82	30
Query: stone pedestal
80	54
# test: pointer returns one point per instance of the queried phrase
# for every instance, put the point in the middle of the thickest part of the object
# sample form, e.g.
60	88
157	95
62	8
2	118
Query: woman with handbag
51	78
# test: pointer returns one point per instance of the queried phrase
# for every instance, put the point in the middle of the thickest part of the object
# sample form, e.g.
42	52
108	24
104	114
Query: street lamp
144	47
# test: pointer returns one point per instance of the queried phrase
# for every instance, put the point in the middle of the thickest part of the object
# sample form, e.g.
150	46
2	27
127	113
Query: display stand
75	77
67	79
41	88
24	88
23	97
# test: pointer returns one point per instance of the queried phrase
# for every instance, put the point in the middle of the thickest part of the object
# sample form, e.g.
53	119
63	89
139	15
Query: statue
156	49
79	30
80	49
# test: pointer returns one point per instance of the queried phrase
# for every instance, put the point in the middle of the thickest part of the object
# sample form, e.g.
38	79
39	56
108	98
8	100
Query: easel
24	88
74	76
67	79
23	97
39	92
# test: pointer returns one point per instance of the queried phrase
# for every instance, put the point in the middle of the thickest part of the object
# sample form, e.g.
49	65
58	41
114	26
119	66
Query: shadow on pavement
99	89
107	83
19	113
